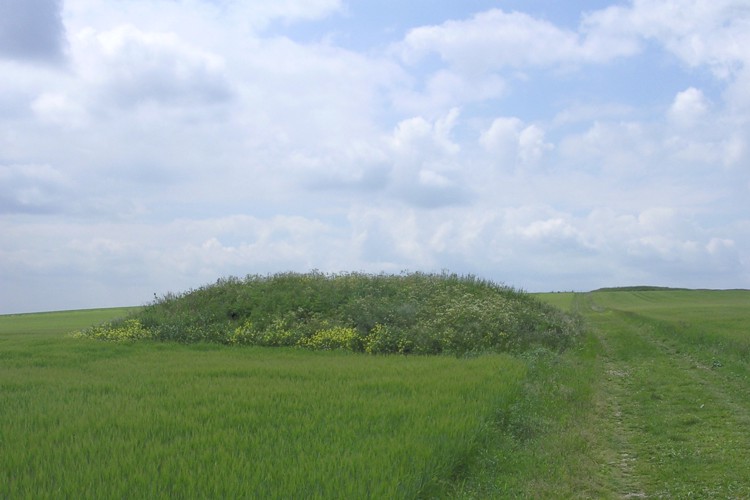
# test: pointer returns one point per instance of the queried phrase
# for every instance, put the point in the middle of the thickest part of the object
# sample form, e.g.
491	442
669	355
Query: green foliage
338	337
409	313
384	340
130	329
277	334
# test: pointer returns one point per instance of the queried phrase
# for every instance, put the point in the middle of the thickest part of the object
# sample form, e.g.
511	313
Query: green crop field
652	401
89	419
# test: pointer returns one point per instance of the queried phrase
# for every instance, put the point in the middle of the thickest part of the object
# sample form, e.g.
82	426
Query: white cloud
208	20
616	148
734	150
260	13
663	240
512	143
710	152
737	93
702	134
279	117
278	242
688	107
59	109
531	145
590	112
700	32
426	165
608	33
445	89
502	136
390	240
417	142
132	67
493	40
31	189
548	229
719	245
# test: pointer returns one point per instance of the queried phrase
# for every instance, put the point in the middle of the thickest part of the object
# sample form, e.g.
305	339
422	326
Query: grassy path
654	403
674	413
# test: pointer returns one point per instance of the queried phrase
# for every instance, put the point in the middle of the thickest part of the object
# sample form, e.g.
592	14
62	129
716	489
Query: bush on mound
409	313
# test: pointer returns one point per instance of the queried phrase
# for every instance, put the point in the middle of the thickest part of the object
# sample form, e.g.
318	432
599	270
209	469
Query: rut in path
619	458
623	462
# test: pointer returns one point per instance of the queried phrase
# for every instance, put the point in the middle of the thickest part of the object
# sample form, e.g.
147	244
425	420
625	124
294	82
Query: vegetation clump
415	313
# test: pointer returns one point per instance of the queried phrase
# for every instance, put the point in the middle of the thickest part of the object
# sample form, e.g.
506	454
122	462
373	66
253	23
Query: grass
542	445
89	419
715	320
669	406
650	401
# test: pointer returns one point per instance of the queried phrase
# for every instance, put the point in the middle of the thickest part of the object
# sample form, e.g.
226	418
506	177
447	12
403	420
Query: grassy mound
409	313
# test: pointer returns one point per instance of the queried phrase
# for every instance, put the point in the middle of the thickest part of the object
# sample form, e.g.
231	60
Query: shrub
408	313
338	337
277	334
128	330
385	340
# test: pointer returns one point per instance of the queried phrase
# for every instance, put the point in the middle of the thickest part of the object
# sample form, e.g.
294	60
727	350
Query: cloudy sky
149	146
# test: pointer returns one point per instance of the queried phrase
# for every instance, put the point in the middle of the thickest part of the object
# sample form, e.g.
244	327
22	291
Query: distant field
55	323
563	300
716	315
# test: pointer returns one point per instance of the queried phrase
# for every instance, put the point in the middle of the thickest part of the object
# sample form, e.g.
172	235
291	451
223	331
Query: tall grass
138	420
409	313
542	444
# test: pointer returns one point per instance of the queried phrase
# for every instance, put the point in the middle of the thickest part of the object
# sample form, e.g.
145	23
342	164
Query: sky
154	146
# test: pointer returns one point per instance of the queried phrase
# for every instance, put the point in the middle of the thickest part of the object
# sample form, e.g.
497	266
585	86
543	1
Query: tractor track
665	409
